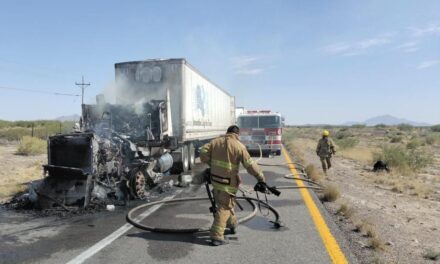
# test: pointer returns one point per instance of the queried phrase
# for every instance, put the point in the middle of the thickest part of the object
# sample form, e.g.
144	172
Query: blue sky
314	61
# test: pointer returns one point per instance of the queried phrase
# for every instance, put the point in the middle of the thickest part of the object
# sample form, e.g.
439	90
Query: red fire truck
261	128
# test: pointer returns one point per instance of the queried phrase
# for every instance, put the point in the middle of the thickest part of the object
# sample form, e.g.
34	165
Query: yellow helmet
325	133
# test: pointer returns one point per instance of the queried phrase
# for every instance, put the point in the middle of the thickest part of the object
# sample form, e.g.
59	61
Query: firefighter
224	155
325	150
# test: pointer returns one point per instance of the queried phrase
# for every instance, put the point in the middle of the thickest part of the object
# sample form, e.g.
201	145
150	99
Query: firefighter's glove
207	175
260	187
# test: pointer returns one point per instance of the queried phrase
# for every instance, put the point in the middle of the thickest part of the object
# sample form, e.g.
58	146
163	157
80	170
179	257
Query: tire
278	152
185	158
182	164
191	156
137	183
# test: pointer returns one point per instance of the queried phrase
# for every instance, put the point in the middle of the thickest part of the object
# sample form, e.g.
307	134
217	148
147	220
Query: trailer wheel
191	155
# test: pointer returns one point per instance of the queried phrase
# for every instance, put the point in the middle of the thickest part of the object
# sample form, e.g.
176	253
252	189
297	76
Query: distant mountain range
74	117
388	120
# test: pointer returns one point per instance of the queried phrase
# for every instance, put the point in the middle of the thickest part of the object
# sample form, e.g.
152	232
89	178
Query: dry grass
31	146
359	153
376	243
404	184
345	210
331	193
297	154
314	174
362	226
19	179
432	254
367	229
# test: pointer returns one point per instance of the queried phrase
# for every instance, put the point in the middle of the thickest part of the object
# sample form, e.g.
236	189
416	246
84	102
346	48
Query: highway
309	235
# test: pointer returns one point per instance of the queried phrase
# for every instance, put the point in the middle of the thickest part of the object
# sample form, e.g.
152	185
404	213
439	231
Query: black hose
301	179
299	187
282	164
134	222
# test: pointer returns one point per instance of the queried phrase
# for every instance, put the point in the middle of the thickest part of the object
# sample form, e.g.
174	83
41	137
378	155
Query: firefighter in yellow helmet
325	150
224	155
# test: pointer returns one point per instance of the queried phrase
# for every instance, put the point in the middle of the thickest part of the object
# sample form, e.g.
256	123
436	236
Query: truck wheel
182	162
191	156
137	183
278	152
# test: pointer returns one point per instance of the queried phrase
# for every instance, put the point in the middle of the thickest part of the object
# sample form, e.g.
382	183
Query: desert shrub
358	126
14	133
342	134
290	134
432	254
347	143
404	159
15	130
432	139
419	159
436	128
31	146
376	243
396	139
414	143
380	126
331	193
310	169
313	173
345	210
405	127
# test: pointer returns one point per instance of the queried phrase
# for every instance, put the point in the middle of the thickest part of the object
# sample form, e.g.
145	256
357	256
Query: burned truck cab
117	154
160	114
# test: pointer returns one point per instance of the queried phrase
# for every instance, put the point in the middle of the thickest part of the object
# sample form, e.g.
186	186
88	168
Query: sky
314	61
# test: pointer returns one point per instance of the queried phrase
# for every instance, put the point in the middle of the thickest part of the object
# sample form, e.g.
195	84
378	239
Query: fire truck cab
261	129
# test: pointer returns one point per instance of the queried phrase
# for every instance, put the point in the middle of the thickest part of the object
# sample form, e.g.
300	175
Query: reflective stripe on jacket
224	155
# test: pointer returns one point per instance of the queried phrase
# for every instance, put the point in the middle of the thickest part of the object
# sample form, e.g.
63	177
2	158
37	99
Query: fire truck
261	129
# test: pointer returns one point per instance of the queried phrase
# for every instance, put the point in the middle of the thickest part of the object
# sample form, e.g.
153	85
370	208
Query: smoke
110	92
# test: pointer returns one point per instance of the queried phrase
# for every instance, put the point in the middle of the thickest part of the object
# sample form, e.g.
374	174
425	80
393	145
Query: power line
82	85
36	91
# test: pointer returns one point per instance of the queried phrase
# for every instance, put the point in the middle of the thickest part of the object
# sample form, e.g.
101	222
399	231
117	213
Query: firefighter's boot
218	242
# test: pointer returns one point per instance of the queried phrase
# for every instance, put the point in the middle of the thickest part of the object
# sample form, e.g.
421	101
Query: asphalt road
105	237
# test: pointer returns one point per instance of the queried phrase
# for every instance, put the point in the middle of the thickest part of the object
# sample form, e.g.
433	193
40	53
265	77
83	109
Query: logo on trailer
201	104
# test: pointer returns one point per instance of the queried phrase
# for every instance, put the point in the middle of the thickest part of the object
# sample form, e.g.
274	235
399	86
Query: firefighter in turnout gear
224	155
325	150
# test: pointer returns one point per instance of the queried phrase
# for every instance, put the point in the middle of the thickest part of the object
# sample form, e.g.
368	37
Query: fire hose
318	186
274	190
146	227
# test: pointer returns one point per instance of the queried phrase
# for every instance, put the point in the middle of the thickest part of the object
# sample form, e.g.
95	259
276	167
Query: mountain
73	117
388	120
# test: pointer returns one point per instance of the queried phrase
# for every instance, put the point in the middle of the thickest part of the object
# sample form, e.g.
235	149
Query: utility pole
82	85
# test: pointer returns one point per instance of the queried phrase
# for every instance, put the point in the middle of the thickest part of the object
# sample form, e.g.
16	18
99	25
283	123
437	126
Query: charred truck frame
163	111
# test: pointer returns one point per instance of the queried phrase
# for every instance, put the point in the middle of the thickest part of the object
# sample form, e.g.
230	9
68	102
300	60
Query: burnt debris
117	155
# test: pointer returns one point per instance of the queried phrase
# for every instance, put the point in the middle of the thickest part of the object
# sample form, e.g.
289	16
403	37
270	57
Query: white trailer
194	109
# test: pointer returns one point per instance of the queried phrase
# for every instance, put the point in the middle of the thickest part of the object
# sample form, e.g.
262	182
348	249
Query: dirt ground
401	212
16	170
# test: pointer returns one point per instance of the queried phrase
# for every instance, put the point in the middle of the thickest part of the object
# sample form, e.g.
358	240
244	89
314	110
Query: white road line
115	235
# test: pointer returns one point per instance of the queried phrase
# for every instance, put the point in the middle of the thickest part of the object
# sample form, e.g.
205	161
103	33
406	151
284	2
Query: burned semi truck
161	112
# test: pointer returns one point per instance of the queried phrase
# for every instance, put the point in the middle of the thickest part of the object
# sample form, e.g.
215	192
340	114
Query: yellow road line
330	243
